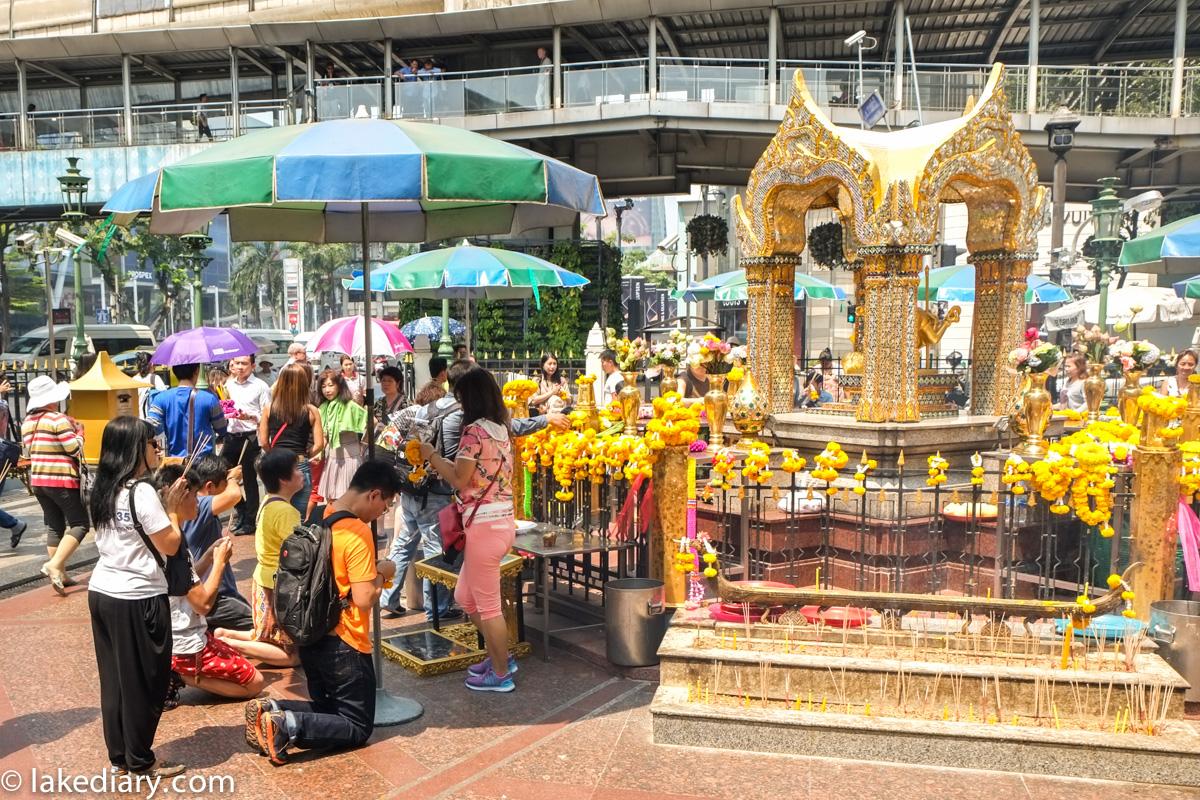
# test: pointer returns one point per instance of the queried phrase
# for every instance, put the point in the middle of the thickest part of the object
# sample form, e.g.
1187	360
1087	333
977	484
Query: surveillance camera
70	238
26	240
1146	201
855	38
629	202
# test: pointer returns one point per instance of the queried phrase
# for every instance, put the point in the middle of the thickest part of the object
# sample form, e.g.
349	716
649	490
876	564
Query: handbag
177	569
10	448
454	530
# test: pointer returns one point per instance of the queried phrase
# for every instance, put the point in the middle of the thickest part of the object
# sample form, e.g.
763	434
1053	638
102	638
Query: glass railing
89	127
1106	91
940	88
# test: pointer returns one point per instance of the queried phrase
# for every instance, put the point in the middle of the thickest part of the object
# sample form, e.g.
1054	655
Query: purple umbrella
203	346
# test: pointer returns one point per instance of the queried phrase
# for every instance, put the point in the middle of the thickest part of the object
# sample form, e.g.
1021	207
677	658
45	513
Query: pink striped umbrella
345	335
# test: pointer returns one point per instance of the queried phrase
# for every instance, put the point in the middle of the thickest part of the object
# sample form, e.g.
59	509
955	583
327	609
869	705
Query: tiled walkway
569	732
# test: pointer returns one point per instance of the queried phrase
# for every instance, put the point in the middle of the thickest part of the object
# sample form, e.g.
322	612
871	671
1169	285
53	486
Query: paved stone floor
570	732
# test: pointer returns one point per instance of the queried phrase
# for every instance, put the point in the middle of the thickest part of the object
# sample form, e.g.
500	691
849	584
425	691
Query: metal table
567	543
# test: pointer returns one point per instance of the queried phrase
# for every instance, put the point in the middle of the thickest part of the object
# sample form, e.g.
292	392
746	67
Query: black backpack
306	599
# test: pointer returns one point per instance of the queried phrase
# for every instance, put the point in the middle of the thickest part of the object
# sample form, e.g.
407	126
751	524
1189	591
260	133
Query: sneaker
486	664
255	709
17	531
163	769
489	682
272	731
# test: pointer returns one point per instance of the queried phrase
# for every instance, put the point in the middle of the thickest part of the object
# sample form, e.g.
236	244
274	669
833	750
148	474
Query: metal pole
1035	36
916	85
49	308
389	710
600	278
652	41
1177	59
1102	263
557	95
773	56
310	90
24	140
1058	199
127	97
79	348
234	97
445	343
861	123
388	85
289	75
898	53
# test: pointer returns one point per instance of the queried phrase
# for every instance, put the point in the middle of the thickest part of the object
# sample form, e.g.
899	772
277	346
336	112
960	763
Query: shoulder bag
454	529
177	568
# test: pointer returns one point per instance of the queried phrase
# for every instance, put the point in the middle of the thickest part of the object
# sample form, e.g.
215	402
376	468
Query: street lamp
1107	210
619	209
860	40
74	188
197	243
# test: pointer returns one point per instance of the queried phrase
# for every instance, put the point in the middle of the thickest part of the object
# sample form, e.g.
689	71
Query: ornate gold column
1155	525
670	522
1191	417
889	345
771	302
998	326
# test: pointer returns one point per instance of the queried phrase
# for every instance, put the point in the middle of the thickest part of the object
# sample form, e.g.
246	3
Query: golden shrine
887	188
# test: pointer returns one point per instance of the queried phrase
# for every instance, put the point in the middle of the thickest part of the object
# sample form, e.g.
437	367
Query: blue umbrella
956	284
431	327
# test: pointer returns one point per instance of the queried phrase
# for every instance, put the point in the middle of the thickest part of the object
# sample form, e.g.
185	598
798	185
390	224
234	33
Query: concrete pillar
289	77
24	139
310	86
127	97
898	52
234	96
652	39
773	56
556	56
388	85
1177	59
1035	35
1058	203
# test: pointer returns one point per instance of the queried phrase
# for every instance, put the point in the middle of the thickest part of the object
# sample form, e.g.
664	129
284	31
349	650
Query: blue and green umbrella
732	287
956	284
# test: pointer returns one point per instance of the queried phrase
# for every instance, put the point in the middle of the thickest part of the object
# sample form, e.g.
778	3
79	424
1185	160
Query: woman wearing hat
53	443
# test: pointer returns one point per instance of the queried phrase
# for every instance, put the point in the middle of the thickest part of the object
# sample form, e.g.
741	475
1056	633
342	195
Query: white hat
44	391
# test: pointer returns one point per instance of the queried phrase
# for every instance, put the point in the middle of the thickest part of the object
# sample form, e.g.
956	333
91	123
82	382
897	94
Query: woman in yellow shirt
277	517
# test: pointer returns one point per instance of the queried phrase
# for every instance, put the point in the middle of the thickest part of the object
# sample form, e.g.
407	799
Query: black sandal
172	698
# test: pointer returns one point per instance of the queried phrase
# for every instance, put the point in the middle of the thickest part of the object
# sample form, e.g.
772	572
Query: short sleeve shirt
489	444
353	562
128	570
200	534
277	518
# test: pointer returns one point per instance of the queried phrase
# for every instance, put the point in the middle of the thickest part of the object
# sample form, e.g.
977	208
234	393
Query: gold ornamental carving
887	188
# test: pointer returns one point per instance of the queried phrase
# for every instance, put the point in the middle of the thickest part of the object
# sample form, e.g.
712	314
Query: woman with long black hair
482	474
127	593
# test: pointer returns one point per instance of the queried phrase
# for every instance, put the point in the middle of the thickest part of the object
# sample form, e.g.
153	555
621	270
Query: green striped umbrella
732	287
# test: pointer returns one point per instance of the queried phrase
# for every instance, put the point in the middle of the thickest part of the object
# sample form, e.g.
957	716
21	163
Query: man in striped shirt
53	443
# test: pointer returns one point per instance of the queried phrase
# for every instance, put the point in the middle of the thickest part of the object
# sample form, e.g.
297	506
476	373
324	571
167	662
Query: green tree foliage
166	258
490	330
325	265
635	263
257	264
108	261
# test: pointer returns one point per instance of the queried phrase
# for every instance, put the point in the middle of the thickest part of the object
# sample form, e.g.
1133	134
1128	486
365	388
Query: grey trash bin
1175	626
634	621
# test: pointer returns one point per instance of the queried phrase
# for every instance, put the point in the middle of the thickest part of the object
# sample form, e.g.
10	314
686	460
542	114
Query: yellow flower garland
829	461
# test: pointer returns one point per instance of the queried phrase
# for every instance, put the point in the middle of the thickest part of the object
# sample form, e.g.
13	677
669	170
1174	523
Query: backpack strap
191	433
337	517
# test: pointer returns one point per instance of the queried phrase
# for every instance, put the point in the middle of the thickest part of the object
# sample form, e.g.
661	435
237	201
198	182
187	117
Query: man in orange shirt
340	672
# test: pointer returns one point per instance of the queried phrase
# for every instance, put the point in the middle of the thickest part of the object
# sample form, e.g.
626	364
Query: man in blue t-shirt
220	491
171	410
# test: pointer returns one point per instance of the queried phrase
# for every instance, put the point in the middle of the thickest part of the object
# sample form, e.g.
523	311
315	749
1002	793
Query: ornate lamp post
1107	210
74	188
197	243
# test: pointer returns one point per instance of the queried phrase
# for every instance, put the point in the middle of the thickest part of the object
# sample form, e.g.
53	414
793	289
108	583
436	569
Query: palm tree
324	267
258	266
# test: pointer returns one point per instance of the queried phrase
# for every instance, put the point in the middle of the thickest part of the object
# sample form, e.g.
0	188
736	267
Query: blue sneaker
486	664
488	682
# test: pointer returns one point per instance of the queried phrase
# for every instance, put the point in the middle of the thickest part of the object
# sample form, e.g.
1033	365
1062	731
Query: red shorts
217	660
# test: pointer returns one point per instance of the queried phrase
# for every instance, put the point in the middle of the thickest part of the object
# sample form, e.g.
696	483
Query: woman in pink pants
482	474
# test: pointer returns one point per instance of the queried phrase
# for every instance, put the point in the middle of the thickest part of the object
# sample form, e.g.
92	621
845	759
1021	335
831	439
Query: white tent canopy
1136	305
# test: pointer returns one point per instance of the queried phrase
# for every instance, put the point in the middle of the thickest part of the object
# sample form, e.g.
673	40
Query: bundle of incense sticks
241	456
192	456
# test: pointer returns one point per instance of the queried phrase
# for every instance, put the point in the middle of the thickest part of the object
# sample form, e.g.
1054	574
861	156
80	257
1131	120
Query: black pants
63	511
246	512
231	611
133	653
341	683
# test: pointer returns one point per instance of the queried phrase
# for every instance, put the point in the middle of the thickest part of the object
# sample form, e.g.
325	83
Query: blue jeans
341	683
7	520
418	529
299	500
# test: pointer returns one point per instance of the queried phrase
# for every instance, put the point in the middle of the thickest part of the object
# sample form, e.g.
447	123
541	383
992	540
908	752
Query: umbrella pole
389	710
468	333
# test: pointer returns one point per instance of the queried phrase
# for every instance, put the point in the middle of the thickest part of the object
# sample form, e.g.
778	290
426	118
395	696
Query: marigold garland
756	464
517	392
937	469
1189	469
412	452
829	461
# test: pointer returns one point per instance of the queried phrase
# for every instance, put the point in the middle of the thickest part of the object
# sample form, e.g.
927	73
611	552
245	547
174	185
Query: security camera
72	239
1146	201
855	38
26	240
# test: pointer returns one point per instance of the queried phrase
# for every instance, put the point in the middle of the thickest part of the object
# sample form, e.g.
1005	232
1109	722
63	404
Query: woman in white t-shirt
127	595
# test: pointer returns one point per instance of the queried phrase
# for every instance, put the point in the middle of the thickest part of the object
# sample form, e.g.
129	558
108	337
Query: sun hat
44	391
